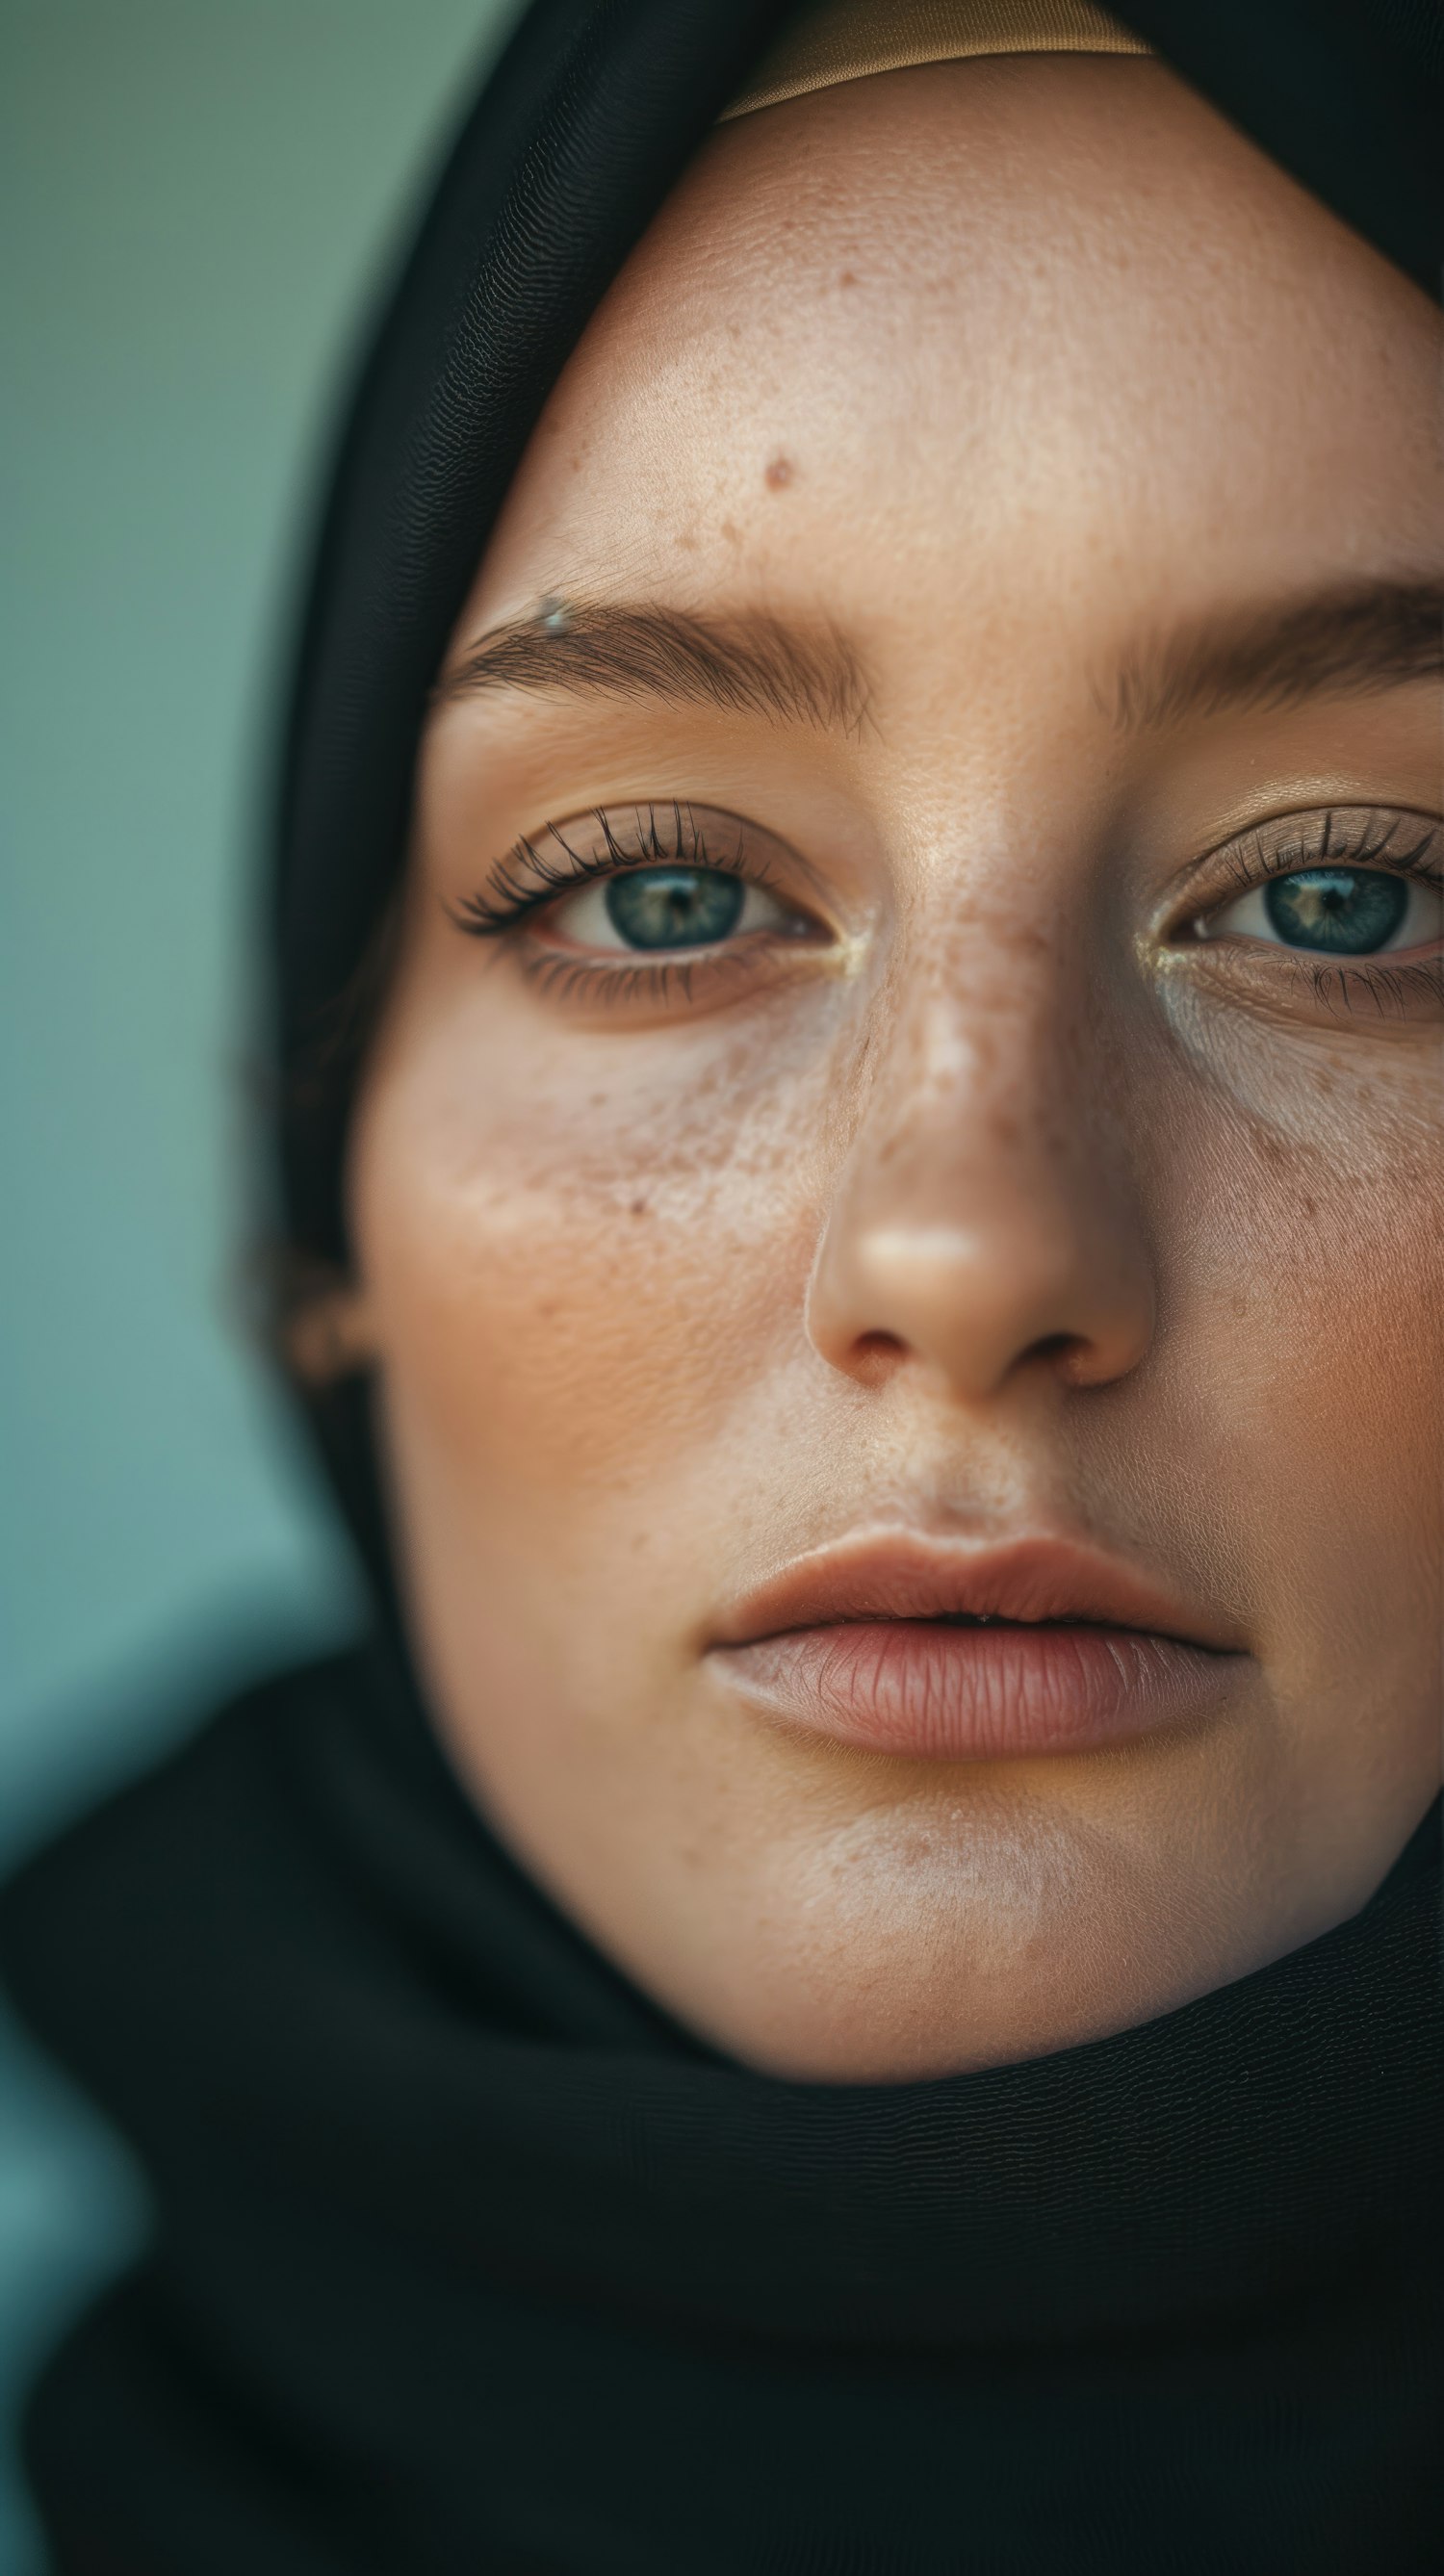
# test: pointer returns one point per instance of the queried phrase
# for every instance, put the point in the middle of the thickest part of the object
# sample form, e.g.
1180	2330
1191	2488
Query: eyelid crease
1369	849
1307	837
529	880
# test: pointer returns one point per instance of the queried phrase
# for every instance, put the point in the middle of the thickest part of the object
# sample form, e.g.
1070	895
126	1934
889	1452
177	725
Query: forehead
938	324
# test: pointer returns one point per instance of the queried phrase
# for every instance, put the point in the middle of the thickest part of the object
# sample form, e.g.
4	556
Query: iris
1348	911
675	907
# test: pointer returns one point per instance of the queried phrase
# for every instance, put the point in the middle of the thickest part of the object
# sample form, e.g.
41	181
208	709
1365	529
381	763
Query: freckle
729	531
687	545
779	473
637	1208
848	277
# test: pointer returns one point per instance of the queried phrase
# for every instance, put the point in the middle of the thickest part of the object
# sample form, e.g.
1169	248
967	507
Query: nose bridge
984	1216
983	1078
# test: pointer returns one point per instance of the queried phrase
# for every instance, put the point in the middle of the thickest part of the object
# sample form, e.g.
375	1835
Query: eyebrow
1342	642
749	663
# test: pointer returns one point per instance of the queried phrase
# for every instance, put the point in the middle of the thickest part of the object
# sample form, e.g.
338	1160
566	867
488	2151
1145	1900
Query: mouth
903	1645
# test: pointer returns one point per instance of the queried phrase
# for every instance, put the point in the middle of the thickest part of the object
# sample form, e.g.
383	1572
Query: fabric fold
386	2093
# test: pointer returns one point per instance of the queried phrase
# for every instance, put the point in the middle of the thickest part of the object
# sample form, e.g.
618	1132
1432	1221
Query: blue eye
1332	911
650	912
1349	912
675	907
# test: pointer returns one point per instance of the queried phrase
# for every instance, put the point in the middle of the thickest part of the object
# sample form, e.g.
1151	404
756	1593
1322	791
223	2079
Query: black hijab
466	2258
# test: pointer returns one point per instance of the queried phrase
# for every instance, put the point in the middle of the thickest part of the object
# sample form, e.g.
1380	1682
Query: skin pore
990	515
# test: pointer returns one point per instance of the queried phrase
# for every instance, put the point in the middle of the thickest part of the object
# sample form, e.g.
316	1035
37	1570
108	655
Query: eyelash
530	879
527	880
1251	862
1341	837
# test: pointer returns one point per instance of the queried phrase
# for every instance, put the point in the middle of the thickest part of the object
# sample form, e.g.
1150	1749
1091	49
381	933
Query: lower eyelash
1387	991
654	980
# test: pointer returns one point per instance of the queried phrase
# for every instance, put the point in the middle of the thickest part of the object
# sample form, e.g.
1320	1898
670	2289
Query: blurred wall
196	197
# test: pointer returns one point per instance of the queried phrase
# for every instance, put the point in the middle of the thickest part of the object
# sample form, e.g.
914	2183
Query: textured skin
576	139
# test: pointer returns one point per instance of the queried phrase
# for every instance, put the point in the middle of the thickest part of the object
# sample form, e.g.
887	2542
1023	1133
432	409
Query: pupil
675	907
1347	911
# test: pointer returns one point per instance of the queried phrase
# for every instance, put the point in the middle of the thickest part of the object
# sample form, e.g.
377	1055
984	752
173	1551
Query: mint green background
196	197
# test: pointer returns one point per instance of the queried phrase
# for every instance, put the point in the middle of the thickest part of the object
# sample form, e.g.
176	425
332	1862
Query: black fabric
591	115
469	2260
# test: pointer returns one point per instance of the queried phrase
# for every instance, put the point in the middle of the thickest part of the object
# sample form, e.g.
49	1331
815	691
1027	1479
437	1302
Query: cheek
1318	1263
582	1255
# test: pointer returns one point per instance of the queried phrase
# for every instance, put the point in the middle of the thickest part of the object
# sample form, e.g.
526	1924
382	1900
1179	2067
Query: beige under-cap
847	39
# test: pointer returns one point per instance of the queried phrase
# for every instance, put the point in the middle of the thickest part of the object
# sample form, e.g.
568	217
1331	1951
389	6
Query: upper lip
902	1575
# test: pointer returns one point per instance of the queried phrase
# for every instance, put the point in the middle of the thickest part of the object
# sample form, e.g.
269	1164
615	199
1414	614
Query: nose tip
1026	1289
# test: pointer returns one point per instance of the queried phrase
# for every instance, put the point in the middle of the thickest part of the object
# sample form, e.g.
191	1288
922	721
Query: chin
901	1950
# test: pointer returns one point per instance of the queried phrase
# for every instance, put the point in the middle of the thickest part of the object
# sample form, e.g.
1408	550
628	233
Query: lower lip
946	1693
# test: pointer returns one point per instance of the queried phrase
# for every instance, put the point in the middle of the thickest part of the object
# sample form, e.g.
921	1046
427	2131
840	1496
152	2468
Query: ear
330	1335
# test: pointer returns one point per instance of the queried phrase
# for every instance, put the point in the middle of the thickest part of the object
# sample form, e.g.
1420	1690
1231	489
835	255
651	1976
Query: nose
984	1225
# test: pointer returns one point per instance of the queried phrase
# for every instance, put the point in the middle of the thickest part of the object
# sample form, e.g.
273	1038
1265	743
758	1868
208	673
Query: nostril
1075	1358
873	1355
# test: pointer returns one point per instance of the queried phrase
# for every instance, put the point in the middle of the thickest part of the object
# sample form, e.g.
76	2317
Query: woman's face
976	1151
